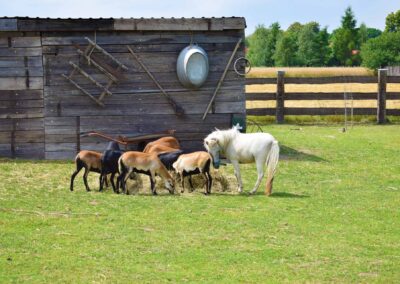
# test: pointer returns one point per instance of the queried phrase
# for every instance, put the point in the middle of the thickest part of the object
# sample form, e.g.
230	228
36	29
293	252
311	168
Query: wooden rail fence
280	96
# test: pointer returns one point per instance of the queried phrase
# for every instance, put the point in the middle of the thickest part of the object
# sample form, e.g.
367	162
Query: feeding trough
192	66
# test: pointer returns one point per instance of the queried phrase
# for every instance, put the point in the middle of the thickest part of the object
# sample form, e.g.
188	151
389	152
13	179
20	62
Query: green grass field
333	217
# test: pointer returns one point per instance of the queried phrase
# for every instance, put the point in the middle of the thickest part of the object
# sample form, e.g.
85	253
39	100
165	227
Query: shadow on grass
288	153
287	195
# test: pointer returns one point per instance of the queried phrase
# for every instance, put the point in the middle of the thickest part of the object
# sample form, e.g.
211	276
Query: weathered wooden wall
42	114
21	96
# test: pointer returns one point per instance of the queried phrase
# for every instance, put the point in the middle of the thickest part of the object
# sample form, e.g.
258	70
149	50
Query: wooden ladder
96	61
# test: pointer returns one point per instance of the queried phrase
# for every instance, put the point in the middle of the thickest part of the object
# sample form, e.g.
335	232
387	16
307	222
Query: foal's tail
272	163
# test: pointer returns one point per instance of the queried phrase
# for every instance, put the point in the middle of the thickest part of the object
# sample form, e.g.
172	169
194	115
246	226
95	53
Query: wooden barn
62	78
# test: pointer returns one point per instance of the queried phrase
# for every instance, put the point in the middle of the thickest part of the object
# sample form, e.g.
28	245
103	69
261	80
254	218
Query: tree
381	51
275	32
344	40
286	49
393	22
287	46
348	20
313	45
362	35
258	45
373	33
262	45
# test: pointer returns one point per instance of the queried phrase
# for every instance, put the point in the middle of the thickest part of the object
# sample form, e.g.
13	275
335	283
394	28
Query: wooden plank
314	80
19	83
61	147
5	137
6	125
59	121
35	24
261	96
22	115
26	41
29	136
139	38
329	96
331	80
21	104
29	51
8	25
318	111
29	150
6	95
143	24
393	79
184	24
15	61
60	155
260	81
29	124
328	111
319	96
5	151
233	23
21	72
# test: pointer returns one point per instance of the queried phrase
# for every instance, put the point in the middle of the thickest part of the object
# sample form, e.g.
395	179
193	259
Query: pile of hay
222	182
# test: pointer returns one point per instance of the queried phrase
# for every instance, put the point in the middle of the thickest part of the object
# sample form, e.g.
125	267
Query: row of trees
310	45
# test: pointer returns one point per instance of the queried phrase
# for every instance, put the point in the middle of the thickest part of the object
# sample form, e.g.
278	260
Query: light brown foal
144	163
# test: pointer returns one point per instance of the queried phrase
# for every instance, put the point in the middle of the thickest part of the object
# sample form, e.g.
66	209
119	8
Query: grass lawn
333	217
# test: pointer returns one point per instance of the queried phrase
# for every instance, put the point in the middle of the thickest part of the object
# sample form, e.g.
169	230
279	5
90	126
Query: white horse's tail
272	163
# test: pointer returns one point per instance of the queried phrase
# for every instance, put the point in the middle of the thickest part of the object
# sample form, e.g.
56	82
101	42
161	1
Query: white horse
261	148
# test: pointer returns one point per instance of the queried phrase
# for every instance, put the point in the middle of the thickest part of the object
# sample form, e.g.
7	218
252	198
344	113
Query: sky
327	13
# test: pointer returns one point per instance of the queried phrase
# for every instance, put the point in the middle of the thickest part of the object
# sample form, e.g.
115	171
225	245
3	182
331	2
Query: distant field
270	72
265	72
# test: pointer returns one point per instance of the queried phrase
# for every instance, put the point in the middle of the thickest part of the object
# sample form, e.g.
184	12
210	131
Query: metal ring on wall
247	62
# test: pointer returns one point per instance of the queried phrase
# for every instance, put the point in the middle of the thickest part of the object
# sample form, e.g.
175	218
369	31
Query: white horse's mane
224	136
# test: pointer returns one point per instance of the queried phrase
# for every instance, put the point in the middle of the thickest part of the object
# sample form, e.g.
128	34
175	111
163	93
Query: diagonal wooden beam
177	108
222	79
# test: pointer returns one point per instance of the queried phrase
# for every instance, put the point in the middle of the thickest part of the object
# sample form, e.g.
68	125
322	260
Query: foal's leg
112	182
182	182
260	162
78	169
153	183
191	184
209	182
85	175
106	181
101	181
124	180
237	174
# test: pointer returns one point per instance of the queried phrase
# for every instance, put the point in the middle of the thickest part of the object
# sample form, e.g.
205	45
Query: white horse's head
216	142
212	145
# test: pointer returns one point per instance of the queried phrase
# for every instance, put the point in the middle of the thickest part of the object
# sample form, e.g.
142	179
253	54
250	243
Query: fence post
280	101
381	108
